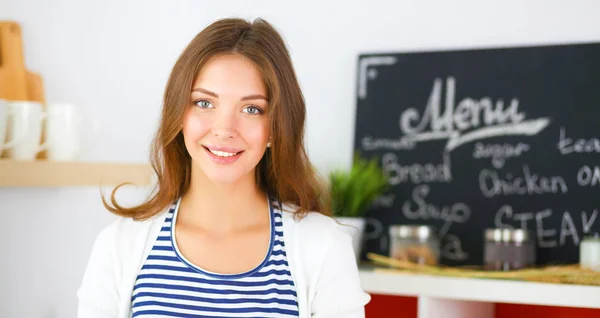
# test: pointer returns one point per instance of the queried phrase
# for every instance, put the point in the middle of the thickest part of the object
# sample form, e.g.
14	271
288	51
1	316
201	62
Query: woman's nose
225	125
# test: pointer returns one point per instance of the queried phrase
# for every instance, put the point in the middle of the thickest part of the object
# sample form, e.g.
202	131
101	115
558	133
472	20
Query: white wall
112	58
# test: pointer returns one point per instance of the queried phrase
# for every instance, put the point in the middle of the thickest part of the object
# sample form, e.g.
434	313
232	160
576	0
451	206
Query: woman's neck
222	207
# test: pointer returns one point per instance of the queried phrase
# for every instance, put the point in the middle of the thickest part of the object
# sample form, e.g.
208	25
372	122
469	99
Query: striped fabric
168	285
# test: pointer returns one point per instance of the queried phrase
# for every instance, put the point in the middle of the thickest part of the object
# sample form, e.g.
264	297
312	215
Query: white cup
64	132
5	113
25	127
3	122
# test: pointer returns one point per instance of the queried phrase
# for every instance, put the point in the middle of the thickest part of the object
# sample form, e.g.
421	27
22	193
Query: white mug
64	132
25	127
5	113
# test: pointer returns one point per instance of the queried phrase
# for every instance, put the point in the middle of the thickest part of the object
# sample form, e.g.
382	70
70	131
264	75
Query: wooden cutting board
16	82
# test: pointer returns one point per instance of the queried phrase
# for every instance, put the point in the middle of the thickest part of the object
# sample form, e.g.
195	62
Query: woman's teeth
222	153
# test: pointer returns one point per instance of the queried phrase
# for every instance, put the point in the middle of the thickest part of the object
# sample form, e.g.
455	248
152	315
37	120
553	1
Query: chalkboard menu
486	138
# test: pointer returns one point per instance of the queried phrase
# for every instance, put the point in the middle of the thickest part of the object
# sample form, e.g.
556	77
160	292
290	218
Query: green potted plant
352	192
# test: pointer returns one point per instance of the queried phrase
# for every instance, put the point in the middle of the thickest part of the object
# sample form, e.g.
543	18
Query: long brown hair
284	171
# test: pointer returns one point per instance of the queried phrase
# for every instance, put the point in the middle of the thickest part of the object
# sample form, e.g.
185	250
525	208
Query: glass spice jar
589	252
415	243
508	249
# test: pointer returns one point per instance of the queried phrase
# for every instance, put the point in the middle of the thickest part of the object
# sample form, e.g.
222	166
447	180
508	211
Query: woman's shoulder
323	251
314	227
126	225
122	232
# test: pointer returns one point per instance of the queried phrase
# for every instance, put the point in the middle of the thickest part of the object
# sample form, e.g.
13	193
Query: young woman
235	227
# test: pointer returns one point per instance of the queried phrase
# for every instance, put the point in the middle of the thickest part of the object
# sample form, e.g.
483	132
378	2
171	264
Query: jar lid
507	235
421	232
592	236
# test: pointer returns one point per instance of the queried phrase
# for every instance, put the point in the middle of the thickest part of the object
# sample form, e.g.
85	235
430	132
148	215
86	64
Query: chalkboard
484	138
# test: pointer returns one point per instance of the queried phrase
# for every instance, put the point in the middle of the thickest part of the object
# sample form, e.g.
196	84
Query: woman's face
226	126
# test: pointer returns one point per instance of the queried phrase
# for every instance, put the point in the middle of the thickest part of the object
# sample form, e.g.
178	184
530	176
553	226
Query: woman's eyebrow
215	95
205	91
254	97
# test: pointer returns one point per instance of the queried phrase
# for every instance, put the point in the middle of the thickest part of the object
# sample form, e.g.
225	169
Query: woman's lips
223	155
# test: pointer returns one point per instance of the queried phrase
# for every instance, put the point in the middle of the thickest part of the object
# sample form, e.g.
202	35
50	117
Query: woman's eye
203	103
252	110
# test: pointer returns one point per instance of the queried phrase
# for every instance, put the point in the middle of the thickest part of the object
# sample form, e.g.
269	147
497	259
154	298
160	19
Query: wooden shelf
383	281
43	173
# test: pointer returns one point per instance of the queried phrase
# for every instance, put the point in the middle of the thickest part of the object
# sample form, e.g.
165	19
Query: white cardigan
319	254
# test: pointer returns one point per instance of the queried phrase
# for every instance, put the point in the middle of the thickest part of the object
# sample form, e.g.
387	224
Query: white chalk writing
567	145
370	144
374	231
366	65
470	114
543	233
547	237
384	201
587	224
492	184
506	211
415	173
567	228
452	249
455	213
499	153
588	177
